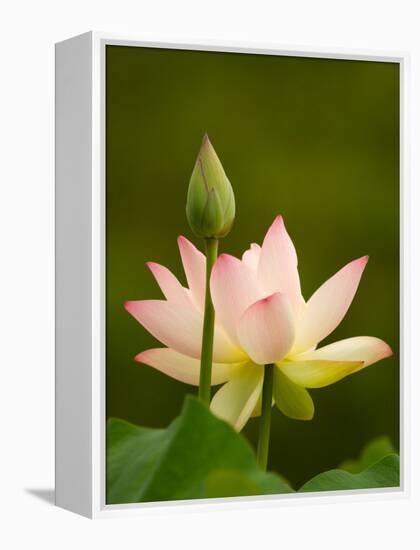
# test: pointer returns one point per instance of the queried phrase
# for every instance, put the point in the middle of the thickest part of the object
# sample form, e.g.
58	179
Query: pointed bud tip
210	204
205	144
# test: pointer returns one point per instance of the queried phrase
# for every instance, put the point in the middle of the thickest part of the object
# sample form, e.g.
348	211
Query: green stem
265	420
208	326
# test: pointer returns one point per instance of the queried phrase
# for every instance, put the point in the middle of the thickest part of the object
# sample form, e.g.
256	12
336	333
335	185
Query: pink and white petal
233	288
184	368
326	308
251	257
317	374
176	326
277	268
360	348
292	400
180	328
194	263
169	284
266	329
235	400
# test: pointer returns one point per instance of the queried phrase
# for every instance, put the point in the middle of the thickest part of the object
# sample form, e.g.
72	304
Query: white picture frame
80	276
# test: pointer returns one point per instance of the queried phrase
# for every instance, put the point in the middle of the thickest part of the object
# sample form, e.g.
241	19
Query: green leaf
227	483
197	456
373	452
385	473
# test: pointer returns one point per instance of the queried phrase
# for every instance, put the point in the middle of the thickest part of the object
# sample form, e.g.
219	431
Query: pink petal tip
387	350
140	357
131	305
271	297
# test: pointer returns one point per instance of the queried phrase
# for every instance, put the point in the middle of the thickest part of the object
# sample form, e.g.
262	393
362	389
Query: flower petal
169	284
194	263
293	401
183	368
277	268
328	305
233	288
360	348
180	328
251	257
317	374
236	400
266	330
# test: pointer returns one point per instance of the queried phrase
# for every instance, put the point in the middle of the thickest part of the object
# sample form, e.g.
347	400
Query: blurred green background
316	140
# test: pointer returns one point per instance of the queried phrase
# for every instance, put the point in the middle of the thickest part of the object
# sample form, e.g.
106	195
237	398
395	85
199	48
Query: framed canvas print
229	224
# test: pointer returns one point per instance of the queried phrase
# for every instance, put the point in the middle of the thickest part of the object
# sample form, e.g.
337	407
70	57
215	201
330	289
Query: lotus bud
210	199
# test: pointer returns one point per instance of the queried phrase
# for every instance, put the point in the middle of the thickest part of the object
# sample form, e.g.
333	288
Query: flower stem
208	326
265	421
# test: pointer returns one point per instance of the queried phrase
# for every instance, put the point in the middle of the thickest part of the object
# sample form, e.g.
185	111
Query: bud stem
265	420
208	326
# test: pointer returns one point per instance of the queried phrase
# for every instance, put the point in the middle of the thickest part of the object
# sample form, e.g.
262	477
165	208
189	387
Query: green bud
210	199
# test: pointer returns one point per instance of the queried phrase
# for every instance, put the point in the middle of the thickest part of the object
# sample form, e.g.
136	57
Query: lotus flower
261	318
